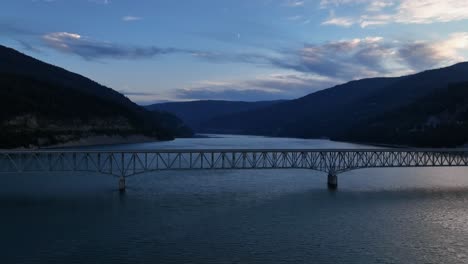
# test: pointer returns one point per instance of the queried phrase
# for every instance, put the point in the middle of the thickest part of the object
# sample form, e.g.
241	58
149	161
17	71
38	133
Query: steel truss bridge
123	164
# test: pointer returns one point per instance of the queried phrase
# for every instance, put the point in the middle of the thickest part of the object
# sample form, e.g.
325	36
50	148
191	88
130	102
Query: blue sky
158	50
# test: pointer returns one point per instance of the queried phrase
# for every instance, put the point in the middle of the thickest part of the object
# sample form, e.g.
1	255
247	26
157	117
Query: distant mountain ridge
195	113
337	112
347	111
42	104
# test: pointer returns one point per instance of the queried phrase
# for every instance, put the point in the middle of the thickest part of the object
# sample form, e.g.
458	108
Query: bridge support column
332	181
122	184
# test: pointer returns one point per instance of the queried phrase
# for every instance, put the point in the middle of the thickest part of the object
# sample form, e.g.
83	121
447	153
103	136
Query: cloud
374	56
338	60
376	6
91	49
372	20
23	36
429	11
294	84
345	59
295	18
400	11
270	87
423	55
222	57
105	2
29	47
9	28
131	18
294	3
228	94
137	93
317	66
339	21
337	3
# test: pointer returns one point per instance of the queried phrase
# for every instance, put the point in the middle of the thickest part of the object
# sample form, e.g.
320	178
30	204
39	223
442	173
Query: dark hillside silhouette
195	113
43	104
334	112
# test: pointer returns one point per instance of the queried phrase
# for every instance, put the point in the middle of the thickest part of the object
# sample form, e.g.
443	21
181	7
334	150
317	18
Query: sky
248	50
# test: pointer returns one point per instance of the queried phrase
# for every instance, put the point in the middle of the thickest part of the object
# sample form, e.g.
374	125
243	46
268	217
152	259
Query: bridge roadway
126	163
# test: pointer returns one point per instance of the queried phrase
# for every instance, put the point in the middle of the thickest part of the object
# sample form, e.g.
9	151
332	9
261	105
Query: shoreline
94	141
104	141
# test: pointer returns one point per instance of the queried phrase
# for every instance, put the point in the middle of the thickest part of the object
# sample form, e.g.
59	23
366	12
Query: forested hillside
43	105
439	119
196	113
346	111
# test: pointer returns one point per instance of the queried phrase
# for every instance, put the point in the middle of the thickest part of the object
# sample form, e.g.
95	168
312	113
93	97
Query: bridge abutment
122	184
332	181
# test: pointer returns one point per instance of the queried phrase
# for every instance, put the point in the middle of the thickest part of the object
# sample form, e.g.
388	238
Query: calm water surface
376	216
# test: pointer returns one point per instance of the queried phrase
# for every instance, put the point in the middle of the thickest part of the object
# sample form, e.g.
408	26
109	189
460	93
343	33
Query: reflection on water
377	216
209	141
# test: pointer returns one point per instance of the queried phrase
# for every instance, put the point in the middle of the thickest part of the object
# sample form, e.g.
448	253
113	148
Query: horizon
236	50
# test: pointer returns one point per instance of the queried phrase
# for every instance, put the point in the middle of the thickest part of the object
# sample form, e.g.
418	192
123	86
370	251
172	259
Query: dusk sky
158	50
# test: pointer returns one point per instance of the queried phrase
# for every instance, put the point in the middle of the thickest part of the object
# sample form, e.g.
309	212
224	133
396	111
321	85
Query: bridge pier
332	181
122	184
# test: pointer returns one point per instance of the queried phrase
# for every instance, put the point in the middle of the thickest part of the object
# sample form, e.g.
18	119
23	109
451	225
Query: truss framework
128	163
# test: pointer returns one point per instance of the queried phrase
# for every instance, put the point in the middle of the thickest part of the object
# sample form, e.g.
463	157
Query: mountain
195	113
439	119
41	104
336	111
287	118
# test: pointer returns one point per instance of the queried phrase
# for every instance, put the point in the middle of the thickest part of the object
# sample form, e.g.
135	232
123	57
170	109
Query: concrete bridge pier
122	184
332	180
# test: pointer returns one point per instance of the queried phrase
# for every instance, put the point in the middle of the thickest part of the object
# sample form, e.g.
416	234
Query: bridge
123	164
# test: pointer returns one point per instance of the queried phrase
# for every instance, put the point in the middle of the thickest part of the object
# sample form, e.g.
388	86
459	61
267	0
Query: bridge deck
125	163
131	162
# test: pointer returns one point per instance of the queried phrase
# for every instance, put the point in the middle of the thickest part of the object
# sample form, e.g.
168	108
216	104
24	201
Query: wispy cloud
399	11
294	3
270	87
374	56
137	93
28	46
337	3
376	6
318	66
232	94
105	2
131	18
422	54
12	29
312	67
428	11
295	18
91	49
344	59
338	21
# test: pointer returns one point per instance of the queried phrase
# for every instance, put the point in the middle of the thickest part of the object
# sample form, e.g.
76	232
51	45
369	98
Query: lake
417	215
